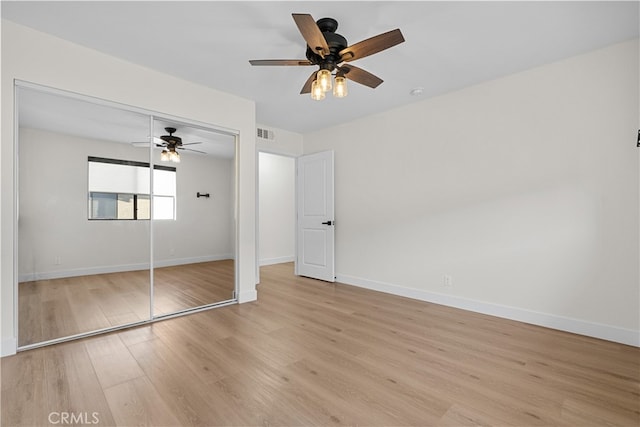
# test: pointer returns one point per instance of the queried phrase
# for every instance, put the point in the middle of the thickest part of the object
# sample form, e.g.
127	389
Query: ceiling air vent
266	134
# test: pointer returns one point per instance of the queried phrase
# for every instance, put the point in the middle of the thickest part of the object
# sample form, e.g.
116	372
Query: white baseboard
192	260
279	260
88	271
8	347
247	296
576	326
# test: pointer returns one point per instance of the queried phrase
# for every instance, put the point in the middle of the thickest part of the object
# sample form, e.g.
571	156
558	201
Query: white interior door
315	217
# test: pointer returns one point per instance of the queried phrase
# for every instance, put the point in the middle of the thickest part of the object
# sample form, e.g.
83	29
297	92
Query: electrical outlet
57	260
447	281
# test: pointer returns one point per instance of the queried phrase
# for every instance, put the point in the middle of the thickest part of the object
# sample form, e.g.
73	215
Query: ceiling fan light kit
170	156
170	145
330	52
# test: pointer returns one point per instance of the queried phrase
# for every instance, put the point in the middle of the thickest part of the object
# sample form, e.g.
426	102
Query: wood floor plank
111	360
24	389
75	379
191	401
576	411
39	386
30	318
260	315
205	358
83	305
57	320
459	416
317	353
139	334
137	403
269	397
356	403
57	308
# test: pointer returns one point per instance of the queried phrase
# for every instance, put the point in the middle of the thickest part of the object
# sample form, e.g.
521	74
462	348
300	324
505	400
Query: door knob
327	223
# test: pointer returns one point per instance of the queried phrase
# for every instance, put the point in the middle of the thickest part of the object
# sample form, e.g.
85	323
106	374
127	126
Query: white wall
39	58
204	227
276	208
523	189
53	212
285	142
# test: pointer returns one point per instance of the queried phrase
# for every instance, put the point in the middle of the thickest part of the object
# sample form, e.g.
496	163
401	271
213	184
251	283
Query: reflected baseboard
193	260
278	260
88	271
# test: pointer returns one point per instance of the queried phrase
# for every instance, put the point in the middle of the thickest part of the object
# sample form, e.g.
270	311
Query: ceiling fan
331	52
170	144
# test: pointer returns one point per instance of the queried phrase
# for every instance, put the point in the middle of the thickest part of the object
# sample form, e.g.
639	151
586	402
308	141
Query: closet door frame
153	115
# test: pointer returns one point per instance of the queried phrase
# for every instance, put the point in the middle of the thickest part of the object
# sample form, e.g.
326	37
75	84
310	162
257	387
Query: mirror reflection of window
119	190
164	192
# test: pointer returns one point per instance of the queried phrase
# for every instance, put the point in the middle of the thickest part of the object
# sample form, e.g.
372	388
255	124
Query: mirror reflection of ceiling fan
170	145
331	53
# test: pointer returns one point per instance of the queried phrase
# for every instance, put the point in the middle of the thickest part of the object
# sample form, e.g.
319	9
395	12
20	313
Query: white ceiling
71	115
449	45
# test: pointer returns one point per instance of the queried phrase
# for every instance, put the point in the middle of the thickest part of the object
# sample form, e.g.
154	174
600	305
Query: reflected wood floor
56	308
315	353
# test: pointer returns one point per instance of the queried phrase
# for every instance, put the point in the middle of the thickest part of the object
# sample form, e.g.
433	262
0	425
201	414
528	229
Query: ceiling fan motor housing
171	139
335	41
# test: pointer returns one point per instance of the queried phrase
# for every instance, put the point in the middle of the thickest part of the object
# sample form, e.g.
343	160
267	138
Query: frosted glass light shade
340	88
324	79
316	91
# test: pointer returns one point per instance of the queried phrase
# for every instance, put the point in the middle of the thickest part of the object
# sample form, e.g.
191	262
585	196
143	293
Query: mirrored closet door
193	232
83	248
113	230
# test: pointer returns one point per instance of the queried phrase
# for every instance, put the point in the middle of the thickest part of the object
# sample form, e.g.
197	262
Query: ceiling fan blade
311	33
294	62
361	76
191	143
191	149
307	85
156	140
372	45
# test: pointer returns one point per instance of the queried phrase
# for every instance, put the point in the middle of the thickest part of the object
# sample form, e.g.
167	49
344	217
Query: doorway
276	208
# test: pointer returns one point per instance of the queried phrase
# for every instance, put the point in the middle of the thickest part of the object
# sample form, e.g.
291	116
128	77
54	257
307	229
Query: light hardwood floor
56	308
314	353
